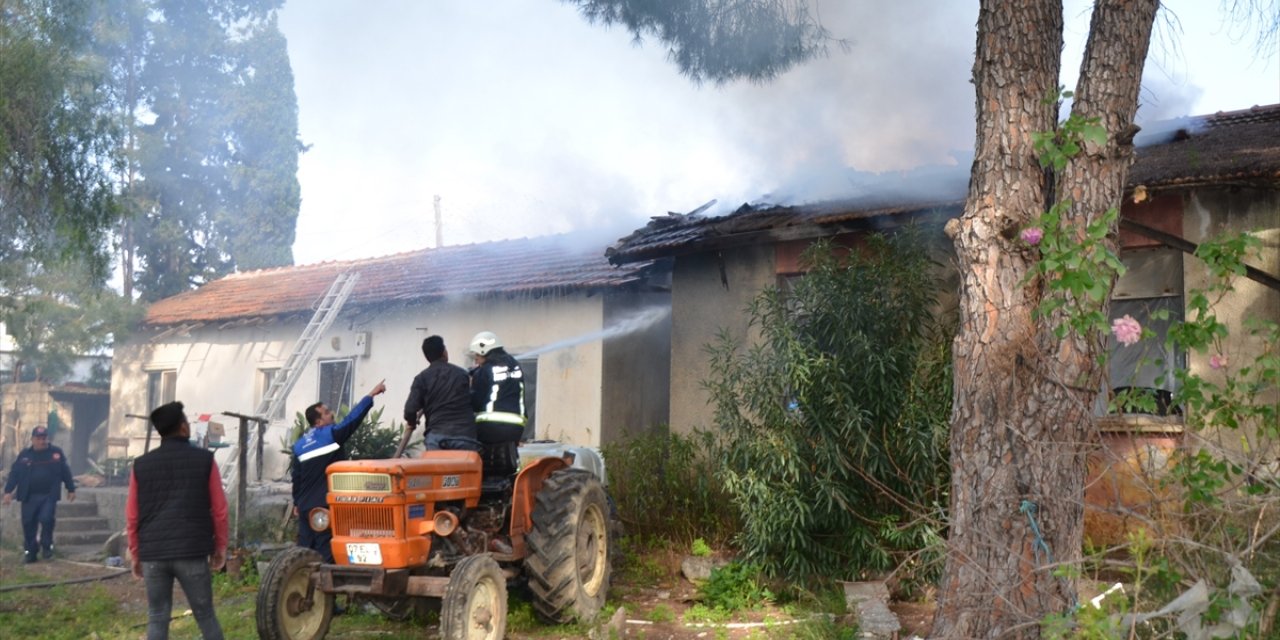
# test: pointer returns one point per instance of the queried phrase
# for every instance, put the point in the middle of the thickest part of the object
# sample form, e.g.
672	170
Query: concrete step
78	509
97	537
80	552
92	523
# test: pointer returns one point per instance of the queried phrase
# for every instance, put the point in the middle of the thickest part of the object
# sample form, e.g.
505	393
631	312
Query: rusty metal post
242	484
147	447
242	463
262	433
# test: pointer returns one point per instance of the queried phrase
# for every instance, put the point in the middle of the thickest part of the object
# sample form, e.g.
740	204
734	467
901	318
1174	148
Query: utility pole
439	224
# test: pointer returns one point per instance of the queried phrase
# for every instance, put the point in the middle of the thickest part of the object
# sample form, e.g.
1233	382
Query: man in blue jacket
34	480
312	454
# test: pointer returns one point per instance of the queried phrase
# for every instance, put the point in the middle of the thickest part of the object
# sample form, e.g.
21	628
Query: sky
526	120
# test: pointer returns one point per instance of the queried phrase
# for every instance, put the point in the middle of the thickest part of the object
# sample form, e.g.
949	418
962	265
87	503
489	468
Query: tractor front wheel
475	601
288	608
568	563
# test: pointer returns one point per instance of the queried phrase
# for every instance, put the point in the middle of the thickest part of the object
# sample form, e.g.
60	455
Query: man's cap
39	432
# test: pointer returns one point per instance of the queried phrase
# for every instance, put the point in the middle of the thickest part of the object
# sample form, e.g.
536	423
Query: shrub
665	490
835	420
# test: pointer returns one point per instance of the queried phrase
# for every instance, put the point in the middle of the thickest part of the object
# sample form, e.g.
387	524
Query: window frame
324	395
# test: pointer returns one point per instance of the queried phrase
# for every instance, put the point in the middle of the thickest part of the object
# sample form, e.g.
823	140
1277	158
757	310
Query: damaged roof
1228	146
1225	147
549	264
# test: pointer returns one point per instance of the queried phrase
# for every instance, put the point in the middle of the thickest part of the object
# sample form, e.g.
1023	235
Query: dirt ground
653	611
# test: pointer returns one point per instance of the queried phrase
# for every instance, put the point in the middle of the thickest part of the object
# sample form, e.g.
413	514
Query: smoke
637	321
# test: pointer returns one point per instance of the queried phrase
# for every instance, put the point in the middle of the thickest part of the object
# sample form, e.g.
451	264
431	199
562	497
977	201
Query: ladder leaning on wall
282	383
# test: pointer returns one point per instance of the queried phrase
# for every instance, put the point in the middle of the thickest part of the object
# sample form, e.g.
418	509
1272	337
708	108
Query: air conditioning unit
362	343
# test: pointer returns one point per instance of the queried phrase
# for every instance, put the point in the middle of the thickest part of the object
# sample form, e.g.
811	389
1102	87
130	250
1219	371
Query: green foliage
661	613
58	315
700	548
1222	492
734	587
834	423
718	41
1055	148
56	144
370	441
664	488
218	161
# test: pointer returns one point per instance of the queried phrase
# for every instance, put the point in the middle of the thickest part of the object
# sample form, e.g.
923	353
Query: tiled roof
548	264
1235	146
1228	146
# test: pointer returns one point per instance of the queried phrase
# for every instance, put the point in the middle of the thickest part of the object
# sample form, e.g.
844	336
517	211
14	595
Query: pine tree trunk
1021	423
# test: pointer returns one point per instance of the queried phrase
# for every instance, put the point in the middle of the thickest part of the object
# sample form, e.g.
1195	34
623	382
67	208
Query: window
1151	287
529	373
335	383
265	378
162	387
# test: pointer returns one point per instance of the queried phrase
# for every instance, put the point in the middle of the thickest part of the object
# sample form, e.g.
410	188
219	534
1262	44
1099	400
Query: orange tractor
447	530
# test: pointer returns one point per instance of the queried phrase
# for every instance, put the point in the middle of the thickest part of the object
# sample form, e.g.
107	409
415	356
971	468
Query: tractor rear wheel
568	563
283	612
475	601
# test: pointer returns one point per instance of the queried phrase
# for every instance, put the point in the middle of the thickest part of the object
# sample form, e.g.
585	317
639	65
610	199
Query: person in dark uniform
176	523
497	390
34	480
441	395
312	454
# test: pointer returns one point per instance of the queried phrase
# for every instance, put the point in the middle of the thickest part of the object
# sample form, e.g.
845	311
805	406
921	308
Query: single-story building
593	338
1193	179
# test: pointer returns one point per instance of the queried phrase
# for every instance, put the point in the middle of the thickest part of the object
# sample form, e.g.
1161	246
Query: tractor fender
524	496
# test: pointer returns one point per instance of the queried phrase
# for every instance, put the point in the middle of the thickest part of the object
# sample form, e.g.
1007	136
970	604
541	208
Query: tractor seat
500	462
498	432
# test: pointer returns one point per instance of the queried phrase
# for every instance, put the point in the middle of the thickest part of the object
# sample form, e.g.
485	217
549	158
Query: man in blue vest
34	480
312	454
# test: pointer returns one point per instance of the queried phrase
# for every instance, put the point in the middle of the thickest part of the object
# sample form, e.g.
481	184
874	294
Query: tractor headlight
445	523
318	519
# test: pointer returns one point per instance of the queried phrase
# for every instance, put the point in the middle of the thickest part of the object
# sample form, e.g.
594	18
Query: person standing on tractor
34	480
312	453
497	391
440	394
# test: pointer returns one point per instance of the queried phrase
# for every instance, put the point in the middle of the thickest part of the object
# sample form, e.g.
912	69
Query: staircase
80	532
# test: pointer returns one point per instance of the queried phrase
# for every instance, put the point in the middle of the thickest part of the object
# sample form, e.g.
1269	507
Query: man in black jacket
34	480
176	522
440	394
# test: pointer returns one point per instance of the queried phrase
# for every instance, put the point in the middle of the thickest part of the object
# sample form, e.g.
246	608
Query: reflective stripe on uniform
319	451
500	416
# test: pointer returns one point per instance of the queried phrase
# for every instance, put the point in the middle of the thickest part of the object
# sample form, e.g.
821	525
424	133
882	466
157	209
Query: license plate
363	553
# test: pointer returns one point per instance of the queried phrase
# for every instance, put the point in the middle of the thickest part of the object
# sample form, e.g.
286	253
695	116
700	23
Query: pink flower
1217	361
1032	235
1126	330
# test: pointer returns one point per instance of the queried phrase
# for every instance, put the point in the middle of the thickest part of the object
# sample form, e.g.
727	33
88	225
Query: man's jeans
197	583
436	441
38	511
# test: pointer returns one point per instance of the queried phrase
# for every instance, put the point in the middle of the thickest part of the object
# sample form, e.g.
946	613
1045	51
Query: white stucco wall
217	370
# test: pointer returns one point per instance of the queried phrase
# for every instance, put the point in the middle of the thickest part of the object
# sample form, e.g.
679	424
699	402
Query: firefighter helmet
484	342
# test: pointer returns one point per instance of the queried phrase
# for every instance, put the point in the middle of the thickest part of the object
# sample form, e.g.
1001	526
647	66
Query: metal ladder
282	383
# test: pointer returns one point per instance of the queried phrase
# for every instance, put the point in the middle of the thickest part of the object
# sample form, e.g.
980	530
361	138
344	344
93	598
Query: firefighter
497	391
34	481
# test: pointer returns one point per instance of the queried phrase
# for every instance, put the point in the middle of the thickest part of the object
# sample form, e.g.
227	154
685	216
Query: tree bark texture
1021	424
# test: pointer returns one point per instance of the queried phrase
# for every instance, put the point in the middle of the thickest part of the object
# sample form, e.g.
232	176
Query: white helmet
484	342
